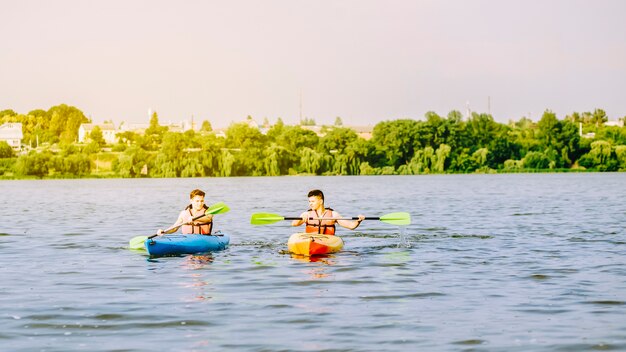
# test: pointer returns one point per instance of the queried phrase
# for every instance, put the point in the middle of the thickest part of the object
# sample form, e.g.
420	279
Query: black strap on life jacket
321	228
193	227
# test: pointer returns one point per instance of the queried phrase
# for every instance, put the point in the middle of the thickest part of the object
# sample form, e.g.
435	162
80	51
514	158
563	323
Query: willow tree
395	142
311	161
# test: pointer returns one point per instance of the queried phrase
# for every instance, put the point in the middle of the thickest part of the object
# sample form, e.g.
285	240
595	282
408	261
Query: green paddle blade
217	208
265	218
400	218
137	242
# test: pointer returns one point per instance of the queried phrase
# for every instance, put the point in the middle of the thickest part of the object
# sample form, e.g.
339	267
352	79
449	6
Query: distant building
364	132
178	127
139	128
108	132
11	132
220	132
617	123
314	128
253	124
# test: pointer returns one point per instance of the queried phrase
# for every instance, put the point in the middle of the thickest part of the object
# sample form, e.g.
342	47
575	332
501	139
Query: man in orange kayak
196	207
322	220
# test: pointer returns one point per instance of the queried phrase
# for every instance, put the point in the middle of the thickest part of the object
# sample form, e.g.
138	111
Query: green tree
75	164
558	140
548	128
96	136
307	122
64	123
247	144
126	137
479	157
620	154
421	163
92	148
206	126
441	154
395	142
311	161
599	117
356	152
276	161
169	161
366	169
34	164
192	166
6	115
5	150
481	131
574	118
612	134
293	139
210	154
336	142
226	164
536	160
600	152
153	136
132	162
337	139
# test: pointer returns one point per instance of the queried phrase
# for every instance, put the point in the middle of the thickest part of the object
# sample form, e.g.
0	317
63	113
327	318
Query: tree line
436	144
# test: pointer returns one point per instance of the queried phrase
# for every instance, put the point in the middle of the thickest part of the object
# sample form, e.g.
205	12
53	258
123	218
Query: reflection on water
200	286
198	261
321	258
319	271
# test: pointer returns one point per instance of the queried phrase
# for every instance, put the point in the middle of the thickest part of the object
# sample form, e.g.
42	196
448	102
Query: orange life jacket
325	227
204	229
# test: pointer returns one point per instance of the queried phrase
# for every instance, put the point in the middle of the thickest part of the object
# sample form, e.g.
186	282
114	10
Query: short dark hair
196	192
316	193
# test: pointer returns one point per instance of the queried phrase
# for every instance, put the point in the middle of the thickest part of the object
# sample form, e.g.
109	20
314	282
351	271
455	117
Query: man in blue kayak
322	220
203	225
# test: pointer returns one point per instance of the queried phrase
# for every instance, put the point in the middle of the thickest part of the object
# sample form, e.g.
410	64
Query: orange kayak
314	244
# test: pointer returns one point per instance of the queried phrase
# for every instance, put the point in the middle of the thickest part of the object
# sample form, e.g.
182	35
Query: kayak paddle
400	218
137	242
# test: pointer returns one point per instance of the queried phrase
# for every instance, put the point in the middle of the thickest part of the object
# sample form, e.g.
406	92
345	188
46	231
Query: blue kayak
186	244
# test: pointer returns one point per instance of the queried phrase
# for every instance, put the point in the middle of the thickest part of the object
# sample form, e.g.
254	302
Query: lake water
516	262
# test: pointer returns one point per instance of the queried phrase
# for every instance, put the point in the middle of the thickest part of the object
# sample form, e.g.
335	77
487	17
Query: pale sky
362	60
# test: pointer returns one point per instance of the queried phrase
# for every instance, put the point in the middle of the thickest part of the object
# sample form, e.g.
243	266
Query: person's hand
361	218
160	232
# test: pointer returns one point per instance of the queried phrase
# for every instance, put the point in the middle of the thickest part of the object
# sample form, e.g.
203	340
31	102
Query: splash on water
404	241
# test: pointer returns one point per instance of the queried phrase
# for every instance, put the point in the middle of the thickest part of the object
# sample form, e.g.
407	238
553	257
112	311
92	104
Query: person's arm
349	224
301	221
173	228
207	219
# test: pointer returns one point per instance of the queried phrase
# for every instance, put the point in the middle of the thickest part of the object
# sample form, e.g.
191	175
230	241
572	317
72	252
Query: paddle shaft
399	218
352	218
177	226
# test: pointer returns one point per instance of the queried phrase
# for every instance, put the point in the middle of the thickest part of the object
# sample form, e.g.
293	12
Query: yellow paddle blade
400	218
217	208
265	218
137	242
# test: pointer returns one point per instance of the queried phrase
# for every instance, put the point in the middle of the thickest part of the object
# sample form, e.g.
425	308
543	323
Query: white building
11	132
108	132
616	123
